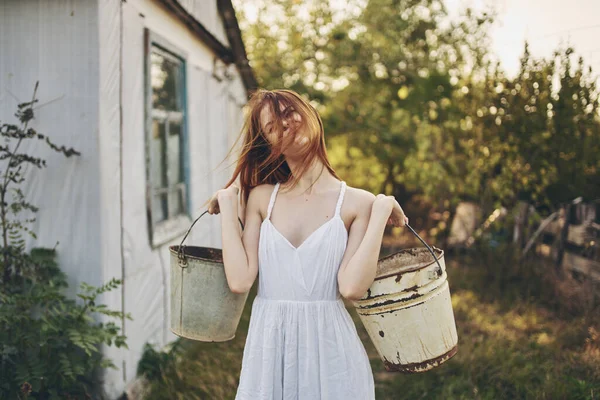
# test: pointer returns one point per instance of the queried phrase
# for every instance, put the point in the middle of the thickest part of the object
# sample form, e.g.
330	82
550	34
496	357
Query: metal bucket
407	311
202	305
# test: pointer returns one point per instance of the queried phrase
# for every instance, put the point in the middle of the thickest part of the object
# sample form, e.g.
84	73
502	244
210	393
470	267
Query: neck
316	179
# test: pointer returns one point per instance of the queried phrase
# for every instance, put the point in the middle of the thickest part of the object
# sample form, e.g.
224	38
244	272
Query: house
151	93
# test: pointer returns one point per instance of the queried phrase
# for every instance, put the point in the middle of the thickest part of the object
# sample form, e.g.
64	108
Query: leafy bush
49	345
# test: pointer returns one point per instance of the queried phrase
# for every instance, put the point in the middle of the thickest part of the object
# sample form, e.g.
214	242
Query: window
166	141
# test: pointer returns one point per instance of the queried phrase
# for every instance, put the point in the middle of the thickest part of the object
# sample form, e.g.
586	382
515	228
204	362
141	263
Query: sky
546	24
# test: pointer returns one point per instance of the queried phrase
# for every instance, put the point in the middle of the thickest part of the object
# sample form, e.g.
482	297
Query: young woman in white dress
311	240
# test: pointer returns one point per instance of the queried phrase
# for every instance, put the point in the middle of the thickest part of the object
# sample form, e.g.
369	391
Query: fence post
562	239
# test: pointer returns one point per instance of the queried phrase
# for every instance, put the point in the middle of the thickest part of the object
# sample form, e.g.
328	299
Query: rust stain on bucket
410	301
392	366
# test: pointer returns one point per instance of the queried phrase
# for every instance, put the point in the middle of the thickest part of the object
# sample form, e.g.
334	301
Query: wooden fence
570	236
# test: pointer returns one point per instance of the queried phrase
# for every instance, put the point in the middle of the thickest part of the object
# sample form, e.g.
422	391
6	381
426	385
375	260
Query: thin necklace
311	185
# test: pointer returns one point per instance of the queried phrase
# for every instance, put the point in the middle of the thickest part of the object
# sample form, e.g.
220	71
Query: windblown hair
260	162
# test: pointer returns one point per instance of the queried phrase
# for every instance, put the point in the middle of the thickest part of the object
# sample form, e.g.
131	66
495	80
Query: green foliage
419	109
161	369
519	142
48	340
50	346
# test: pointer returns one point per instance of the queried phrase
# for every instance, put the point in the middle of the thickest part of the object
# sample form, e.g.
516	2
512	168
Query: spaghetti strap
272	200
338	206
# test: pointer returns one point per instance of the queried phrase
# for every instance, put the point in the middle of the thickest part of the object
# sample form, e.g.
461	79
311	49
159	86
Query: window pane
157	172
174	165
175	201
166	77
158	155
159	207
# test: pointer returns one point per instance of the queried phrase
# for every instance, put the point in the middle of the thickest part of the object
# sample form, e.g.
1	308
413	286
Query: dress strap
338	206
272	200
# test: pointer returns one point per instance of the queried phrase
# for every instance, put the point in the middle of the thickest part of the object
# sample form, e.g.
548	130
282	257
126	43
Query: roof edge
236	54
234	34
199	30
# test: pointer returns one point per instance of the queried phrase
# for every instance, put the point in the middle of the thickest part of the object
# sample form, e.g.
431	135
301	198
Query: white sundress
302	343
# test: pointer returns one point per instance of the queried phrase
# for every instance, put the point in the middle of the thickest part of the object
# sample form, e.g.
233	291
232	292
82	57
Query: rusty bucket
203	307
407	311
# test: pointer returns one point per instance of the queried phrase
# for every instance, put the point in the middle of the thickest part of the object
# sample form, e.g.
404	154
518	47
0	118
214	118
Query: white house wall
56	42
111	175
147	270
89	58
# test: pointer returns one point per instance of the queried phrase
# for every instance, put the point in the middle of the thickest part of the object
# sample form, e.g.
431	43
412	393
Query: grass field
523	334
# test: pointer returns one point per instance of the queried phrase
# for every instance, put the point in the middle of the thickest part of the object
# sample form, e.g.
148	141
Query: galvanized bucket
407	311
202	305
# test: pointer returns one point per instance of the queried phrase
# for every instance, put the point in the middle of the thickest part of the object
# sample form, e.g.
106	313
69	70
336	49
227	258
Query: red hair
261	162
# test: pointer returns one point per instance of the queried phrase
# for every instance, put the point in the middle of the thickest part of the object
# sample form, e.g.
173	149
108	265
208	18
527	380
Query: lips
300	139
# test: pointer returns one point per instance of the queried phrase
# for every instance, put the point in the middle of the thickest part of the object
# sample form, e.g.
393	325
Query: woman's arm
359	265
240	251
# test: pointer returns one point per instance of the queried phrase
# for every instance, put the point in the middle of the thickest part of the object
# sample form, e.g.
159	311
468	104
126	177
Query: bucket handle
180	250
429	248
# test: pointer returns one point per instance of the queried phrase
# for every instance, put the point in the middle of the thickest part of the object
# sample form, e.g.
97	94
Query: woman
313	239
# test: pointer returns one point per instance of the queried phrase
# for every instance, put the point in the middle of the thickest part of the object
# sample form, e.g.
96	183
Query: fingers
397	222
397	218
401	222
213	206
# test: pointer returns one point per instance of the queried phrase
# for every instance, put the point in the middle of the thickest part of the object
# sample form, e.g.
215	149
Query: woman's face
269	128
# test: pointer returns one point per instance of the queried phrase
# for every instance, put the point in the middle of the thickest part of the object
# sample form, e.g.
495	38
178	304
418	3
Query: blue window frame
167	172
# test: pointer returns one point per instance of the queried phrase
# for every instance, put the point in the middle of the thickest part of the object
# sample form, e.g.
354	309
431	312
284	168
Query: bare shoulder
262	189
359	197
259	197
358	201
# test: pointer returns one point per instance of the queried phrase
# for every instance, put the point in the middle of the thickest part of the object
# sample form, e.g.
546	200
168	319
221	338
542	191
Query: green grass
522	334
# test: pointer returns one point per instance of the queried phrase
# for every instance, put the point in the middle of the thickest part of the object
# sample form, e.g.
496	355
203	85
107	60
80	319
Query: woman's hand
391	206
220	196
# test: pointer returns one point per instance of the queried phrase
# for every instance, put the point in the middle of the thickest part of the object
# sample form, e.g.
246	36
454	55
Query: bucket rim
200	338
174	250
439	253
